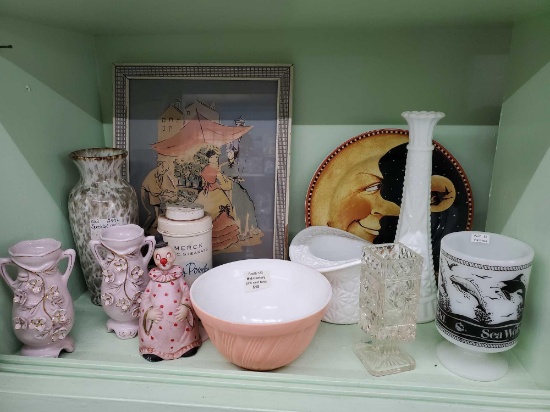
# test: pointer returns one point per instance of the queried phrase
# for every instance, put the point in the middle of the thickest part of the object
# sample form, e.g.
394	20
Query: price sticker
481	238
97	225
256	280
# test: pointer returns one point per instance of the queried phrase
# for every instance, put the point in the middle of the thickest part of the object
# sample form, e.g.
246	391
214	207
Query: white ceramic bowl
261	328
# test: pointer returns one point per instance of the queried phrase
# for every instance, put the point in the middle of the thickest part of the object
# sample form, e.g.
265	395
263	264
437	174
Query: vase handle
70	254
150	242
94	245
4	273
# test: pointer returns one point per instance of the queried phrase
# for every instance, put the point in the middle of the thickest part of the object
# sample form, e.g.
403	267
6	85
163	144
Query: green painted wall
520	193
49	106
346	83
366	77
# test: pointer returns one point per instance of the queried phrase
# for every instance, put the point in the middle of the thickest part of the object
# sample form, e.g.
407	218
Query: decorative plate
359	186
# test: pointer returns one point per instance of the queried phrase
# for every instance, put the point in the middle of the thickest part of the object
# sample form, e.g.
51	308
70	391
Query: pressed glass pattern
388	300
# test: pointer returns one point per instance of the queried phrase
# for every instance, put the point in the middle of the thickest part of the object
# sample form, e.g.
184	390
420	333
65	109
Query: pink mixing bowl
261	314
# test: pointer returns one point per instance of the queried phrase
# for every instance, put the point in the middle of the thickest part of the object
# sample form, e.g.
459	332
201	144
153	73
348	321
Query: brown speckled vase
100	199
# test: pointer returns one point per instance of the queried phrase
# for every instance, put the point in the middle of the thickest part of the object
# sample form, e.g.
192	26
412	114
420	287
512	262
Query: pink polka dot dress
166	336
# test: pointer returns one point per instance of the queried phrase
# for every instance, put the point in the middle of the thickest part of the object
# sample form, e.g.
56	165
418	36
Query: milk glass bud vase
100	199
413	227
388	300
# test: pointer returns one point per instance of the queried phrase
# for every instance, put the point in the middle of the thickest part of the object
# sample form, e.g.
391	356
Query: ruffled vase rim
423	114
49	246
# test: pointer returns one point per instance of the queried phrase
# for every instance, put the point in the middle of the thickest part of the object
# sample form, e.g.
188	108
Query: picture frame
215	134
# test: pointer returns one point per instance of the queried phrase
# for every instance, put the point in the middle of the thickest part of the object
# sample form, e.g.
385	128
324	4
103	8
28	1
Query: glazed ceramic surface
42	314
124	268
100	199
261	314
337	255
482	284
413	227
168	326
189	231
361	181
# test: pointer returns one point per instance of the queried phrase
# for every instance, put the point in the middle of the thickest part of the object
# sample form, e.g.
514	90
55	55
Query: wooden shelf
104	371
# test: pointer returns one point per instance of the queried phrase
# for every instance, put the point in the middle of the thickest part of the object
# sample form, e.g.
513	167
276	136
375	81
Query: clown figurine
168	327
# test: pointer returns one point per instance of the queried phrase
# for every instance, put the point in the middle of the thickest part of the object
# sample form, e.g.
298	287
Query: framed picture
217	135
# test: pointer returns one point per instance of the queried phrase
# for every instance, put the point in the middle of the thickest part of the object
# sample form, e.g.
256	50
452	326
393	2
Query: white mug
483	279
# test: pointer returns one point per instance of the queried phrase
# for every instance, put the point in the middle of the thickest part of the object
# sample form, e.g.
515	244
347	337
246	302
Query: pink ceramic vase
42	314
119	253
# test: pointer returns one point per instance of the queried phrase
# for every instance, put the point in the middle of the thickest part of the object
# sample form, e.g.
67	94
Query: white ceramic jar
188	230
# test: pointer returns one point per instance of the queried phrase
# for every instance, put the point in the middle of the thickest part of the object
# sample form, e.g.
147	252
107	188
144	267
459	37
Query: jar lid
184	211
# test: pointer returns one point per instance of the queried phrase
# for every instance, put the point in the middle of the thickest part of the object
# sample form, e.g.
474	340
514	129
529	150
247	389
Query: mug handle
70	254
94	244
150	242
3	272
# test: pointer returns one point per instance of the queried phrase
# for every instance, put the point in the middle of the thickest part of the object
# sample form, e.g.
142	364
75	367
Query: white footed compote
43	313
119	253
483	278
413	228
337	255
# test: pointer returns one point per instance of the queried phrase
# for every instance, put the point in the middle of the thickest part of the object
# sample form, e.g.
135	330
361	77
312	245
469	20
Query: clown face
164	257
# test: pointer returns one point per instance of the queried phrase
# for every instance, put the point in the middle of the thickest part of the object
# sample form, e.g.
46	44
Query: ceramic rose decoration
168	326
123	253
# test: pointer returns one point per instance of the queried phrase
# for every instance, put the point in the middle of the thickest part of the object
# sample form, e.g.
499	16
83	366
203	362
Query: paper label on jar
97	225
256	280
480	238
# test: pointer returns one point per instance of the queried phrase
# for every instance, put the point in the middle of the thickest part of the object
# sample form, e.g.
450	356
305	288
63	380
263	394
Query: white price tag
480	238
97	225
256	280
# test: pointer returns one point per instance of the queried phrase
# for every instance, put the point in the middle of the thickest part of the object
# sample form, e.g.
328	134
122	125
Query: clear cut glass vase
388	300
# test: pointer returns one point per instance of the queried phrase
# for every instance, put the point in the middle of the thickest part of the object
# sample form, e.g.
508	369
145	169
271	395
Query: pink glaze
169	338
168	326
273	345
261	329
